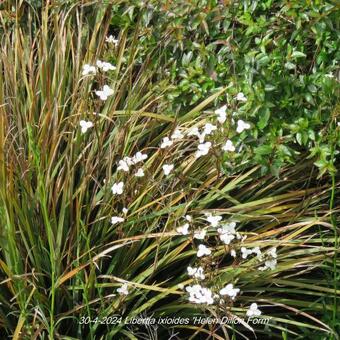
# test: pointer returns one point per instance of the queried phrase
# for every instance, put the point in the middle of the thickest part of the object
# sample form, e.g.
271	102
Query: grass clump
107	199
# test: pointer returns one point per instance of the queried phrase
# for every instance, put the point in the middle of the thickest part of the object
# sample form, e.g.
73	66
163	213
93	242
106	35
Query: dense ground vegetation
169	159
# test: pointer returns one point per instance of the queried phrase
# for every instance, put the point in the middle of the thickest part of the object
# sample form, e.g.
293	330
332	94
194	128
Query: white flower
116	219
123	165
242	125
188	218
111	40
105	93
203	250
241	97
177	134
227	232
271	264
227	228
233	253
203	149
258	252
213	220
139	173
123	290
200	235
105	66
184	229
84	125
194	132
221	114
128	160
253	310
117	188
87	69
166	142
245	252
197	273
226	238
230	291
209	128
191	271
199	294
125	211
139	157
228	146
272	253
167	168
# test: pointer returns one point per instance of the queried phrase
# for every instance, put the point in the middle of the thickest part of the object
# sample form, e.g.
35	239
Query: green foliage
283	55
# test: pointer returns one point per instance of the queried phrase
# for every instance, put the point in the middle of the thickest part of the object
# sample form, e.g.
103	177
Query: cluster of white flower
221	114
203	146
227	233
105	92
207	130
125	163
246	252
101	65
105	66
167	142
199	294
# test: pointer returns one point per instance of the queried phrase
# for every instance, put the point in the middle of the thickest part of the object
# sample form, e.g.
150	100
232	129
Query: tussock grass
61	259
